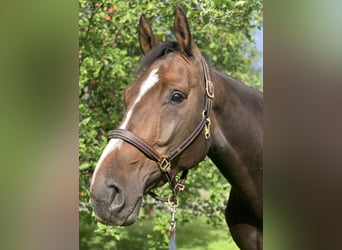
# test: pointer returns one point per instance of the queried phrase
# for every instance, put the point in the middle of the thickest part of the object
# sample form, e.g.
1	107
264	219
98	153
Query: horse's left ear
147	39
182	32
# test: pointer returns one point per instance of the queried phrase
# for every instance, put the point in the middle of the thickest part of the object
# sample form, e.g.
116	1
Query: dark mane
158	52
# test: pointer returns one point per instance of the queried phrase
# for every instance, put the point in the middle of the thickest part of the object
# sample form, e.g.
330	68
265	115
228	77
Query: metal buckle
180	187
207	128
164	164
209	88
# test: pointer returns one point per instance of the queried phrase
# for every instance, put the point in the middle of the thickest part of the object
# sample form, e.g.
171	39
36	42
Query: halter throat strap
164	161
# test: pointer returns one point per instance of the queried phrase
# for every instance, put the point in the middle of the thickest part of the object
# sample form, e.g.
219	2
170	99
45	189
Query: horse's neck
236	146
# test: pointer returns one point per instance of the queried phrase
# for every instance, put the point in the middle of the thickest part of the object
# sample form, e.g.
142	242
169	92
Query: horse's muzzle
112	207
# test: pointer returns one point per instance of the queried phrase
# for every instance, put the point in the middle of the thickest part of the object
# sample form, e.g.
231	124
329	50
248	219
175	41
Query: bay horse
178	111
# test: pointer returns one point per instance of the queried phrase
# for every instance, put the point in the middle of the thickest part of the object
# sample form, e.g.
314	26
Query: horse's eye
177	97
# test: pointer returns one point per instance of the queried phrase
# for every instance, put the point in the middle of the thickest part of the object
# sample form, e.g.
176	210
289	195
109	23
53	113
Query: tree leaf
239	3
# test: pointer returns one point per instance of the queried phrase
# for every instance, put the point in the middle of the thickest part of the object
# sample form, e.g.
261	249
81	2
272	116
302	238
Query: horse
179	111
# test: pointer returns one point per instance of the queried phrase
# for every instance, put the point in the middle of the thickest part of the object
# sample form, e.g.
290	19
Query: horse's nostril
113	192
114	189
116	197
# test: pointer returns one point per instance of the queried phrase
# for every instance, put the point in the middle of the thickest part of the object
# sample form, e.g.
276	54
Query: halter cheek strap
164	161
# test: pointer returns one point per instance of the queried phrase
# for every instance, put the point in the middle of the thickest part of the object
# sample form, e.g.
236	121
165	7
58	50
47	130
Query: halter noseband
164	161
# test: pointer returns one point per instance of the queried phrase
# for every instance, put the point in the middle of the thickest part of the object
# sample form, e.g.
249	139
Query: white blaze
151	80
113	144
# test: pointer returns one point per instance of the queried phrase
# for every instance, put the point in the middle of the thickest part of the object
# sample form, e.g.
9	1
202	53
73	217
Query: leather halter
164	161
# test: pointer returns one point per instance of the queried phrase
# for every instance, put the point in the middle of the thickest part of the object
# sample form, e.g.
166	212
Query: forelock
159	52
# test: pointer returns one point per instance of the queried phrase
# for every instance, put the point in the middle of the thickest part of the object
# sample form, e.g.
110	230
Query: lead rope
173	207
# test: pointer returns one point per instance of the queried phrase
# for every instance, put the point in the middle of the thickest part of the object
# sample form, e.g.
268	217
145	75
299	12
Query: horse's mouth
124	216
132	216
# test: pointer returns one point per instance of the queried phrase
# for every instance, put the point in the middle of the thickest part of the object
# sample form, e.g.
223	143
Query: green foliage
108	57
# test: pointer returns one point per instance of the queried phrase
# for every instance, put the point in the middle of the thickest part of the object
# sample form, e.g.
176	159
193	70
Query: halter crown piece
164	161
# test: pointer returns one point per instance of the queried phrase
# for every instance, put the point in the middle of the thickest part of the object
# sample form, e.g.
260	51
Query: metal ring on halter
172	202
164	164
180	187
204	114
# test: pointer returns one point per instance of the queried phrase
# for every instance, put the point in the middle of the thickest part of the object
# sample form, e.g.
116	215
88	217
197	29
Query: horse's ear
182	31
147	39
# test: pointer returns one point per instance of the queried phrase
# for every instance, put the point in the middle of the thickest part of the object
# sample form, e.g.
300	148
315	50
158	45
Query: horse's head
163	108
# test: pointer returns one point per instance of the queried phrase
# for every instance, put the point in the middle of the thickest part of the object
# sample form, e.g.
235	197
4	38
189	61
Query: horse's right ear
147	39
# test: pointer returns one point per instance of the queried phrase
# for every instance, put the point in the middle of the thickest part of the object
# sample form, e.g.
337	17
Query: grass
197	235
